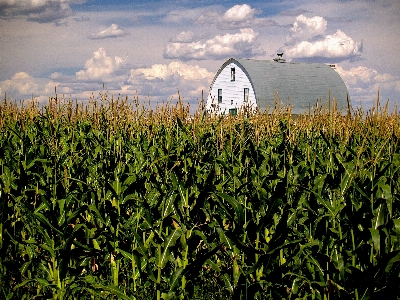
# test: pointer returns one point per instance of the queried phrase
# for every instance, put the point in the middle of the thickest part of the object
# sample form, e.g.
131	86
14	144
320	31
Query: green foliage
115	204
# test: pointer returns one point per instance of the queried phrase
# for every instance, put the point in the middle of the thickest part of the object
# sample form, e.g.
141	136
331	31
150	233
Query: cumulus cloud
110	32
362	76
100	67
358	75
162	81
238	16
336	46
51	86
239	13
308	39
20	84
305	28
240	44
176	68
41	11
364	83
184	37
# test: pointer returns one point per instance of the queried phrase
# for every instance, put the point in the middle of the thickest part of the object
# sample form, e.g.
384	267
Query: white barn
257	84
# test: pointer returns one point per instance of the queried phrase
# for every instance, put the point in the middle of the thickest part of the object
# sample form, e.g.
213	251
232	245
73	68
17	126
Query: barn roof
302	83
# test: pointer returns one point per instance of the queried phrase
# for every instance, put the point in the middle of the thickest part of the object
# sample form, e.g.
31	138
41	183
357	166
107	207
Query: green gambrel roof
302	83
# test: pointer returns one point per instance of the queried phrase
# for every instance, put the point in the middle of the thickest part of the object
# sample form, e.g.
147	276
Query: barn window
232	74
219	95
233	111
246	94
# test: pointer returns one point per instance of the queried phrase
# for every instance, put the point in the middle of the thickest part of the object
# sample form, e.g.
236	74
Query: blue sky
159	47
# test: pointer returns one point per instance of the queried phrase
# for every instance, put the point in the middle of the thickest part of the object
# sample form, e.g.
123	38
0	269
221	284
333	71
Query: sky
155	49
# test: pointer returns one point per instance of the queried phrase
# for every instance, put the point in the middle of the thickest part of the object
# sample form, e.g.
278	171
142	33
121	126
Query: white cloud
176	68
185	37
305	28
41	11
20	84
100	67
53	86
236	17
307	40
56	75
110	32
162	81
364	83
239	13
337	45
358	75
241	43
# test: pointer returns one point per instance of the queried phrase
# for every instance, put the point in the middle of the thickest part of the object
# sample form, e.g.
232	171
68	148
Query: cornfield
114	200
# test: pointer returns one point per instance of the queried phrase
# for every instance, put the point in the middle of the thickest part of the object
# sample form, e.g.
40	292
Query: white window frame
246	92
219	95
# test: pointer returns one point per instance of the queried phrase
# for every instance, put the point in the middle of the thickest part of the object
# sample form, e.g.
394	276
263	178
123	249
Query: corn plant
116	199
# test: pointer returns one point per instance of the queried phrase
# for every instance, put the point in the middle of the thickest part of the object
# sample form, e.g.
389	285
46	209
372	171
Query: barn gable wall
232	91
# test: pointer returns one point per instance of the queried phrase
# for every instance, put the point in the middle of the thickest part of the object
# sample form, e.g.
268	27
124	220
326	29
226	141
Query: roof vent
279	58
